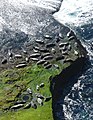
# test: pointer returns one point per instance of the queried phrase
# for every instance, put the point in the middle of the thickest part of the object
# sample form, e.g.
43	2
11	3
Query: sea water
78	101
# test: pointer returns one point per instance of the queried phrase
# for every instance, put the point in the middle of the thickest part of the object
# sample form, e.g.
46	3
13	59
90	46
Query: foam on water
77	12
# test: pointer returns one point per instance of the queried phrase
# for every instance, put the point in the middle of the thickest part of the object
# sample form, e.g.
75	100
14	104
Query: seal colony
45	52
48	53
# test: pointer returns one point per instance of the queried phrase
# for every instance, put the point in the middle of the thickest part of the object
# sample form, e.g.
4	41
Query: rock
21	65
41	85
26	97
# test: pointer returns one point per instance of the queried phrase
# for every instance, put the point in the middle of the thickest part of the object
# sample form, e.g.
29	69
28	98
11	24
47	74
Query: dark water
76	99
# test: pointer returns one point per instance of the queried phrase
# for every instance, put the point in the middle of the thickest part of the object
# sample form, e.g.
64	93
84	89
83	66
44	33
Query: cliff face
35	49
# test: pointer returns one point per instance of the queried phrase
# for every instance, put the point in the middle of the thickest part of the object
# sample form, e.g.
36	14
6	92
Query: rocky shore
26	72
35	63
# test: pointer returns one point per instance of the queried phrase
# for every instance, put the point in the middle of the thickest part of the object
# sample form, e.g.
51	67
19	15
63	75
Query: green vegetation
14	82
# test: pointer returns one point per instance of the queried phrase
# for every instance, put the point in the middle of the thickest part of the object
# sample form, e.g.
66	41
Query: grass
15	81
42	113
